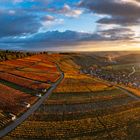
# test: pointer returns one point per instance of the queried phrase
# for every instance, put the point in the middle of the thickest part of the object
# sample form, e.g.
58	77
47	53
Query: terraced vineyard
82	108
21	81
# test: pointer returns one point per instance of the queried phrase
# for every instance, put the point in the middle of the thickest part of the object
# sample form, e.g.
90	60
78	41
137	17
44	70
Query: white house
27	105
44	90
39	95
13	117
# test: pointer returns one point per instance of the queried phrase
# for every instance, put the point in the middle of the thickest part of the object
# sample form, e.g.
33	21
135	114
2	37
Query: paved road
129	93
33	108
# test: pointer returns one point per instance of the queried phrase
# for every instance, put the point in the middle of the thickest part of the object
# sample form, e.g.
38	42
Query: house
13	117
39	95
44	90
25	104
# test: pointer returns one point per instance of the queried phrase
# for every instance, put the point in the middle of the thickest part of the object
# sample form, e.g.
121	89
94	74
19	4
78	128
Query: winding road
134	70
33	108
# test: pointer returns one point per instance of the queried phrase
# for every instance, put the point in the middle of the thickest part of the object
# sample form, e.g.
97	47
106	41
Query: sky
70	25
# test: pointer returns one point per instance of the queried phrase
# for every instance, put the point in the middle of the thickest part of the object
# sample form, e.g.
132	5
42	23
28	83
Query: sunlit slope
82	108
21	80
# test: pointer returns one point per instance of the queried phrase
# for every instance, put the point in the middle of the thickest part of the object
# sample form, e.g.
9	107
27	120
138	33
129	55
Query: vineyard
21	80
81	108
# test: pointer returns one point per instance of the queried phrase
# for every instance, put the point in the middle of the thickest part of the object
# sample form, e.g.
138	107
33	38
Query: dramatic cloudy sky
70	25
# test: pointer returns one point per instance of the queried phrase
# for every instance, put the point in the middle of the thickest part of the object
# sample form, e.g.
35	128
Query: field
20	81
82	108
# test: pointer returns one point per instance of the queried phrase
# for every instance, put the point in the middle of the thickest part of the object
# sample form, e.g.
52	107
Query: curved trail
33	108
134	70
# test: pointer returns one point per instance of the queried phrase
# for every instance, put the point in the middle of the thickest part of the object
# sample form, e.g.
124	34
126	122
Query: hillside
130	58
22	81
82	107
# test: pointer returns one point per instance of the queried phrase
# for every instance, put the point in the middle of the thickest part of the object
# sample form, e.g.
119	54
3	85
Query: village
120	77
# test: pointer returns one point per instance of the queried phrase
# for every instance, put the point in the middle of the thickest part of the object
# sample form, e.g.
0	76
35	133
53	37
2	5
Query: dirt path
134	70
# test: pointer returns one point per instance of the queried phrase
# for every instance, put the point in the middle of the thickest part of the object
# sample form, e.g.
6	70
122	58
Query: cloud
124	21
12	12
123	12
48	21
51	36
43	6
18	24
68	40
51	40
118	34
48	18
67	11
72	36
26	23
17	1
20	1
21	21
14	23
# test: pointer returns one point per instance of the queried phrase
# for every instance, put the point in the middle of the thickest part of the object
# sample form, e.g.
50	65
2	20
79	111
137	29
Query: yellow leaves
135	91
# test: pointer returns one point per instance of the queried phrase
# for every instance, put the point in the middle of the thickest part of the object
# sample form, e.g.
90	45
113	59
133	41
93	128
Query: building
13	117
25	104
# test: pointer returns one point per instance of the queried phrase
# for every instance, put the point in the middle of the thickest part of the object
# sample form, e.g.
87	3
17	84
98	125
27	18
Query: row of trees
9	55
